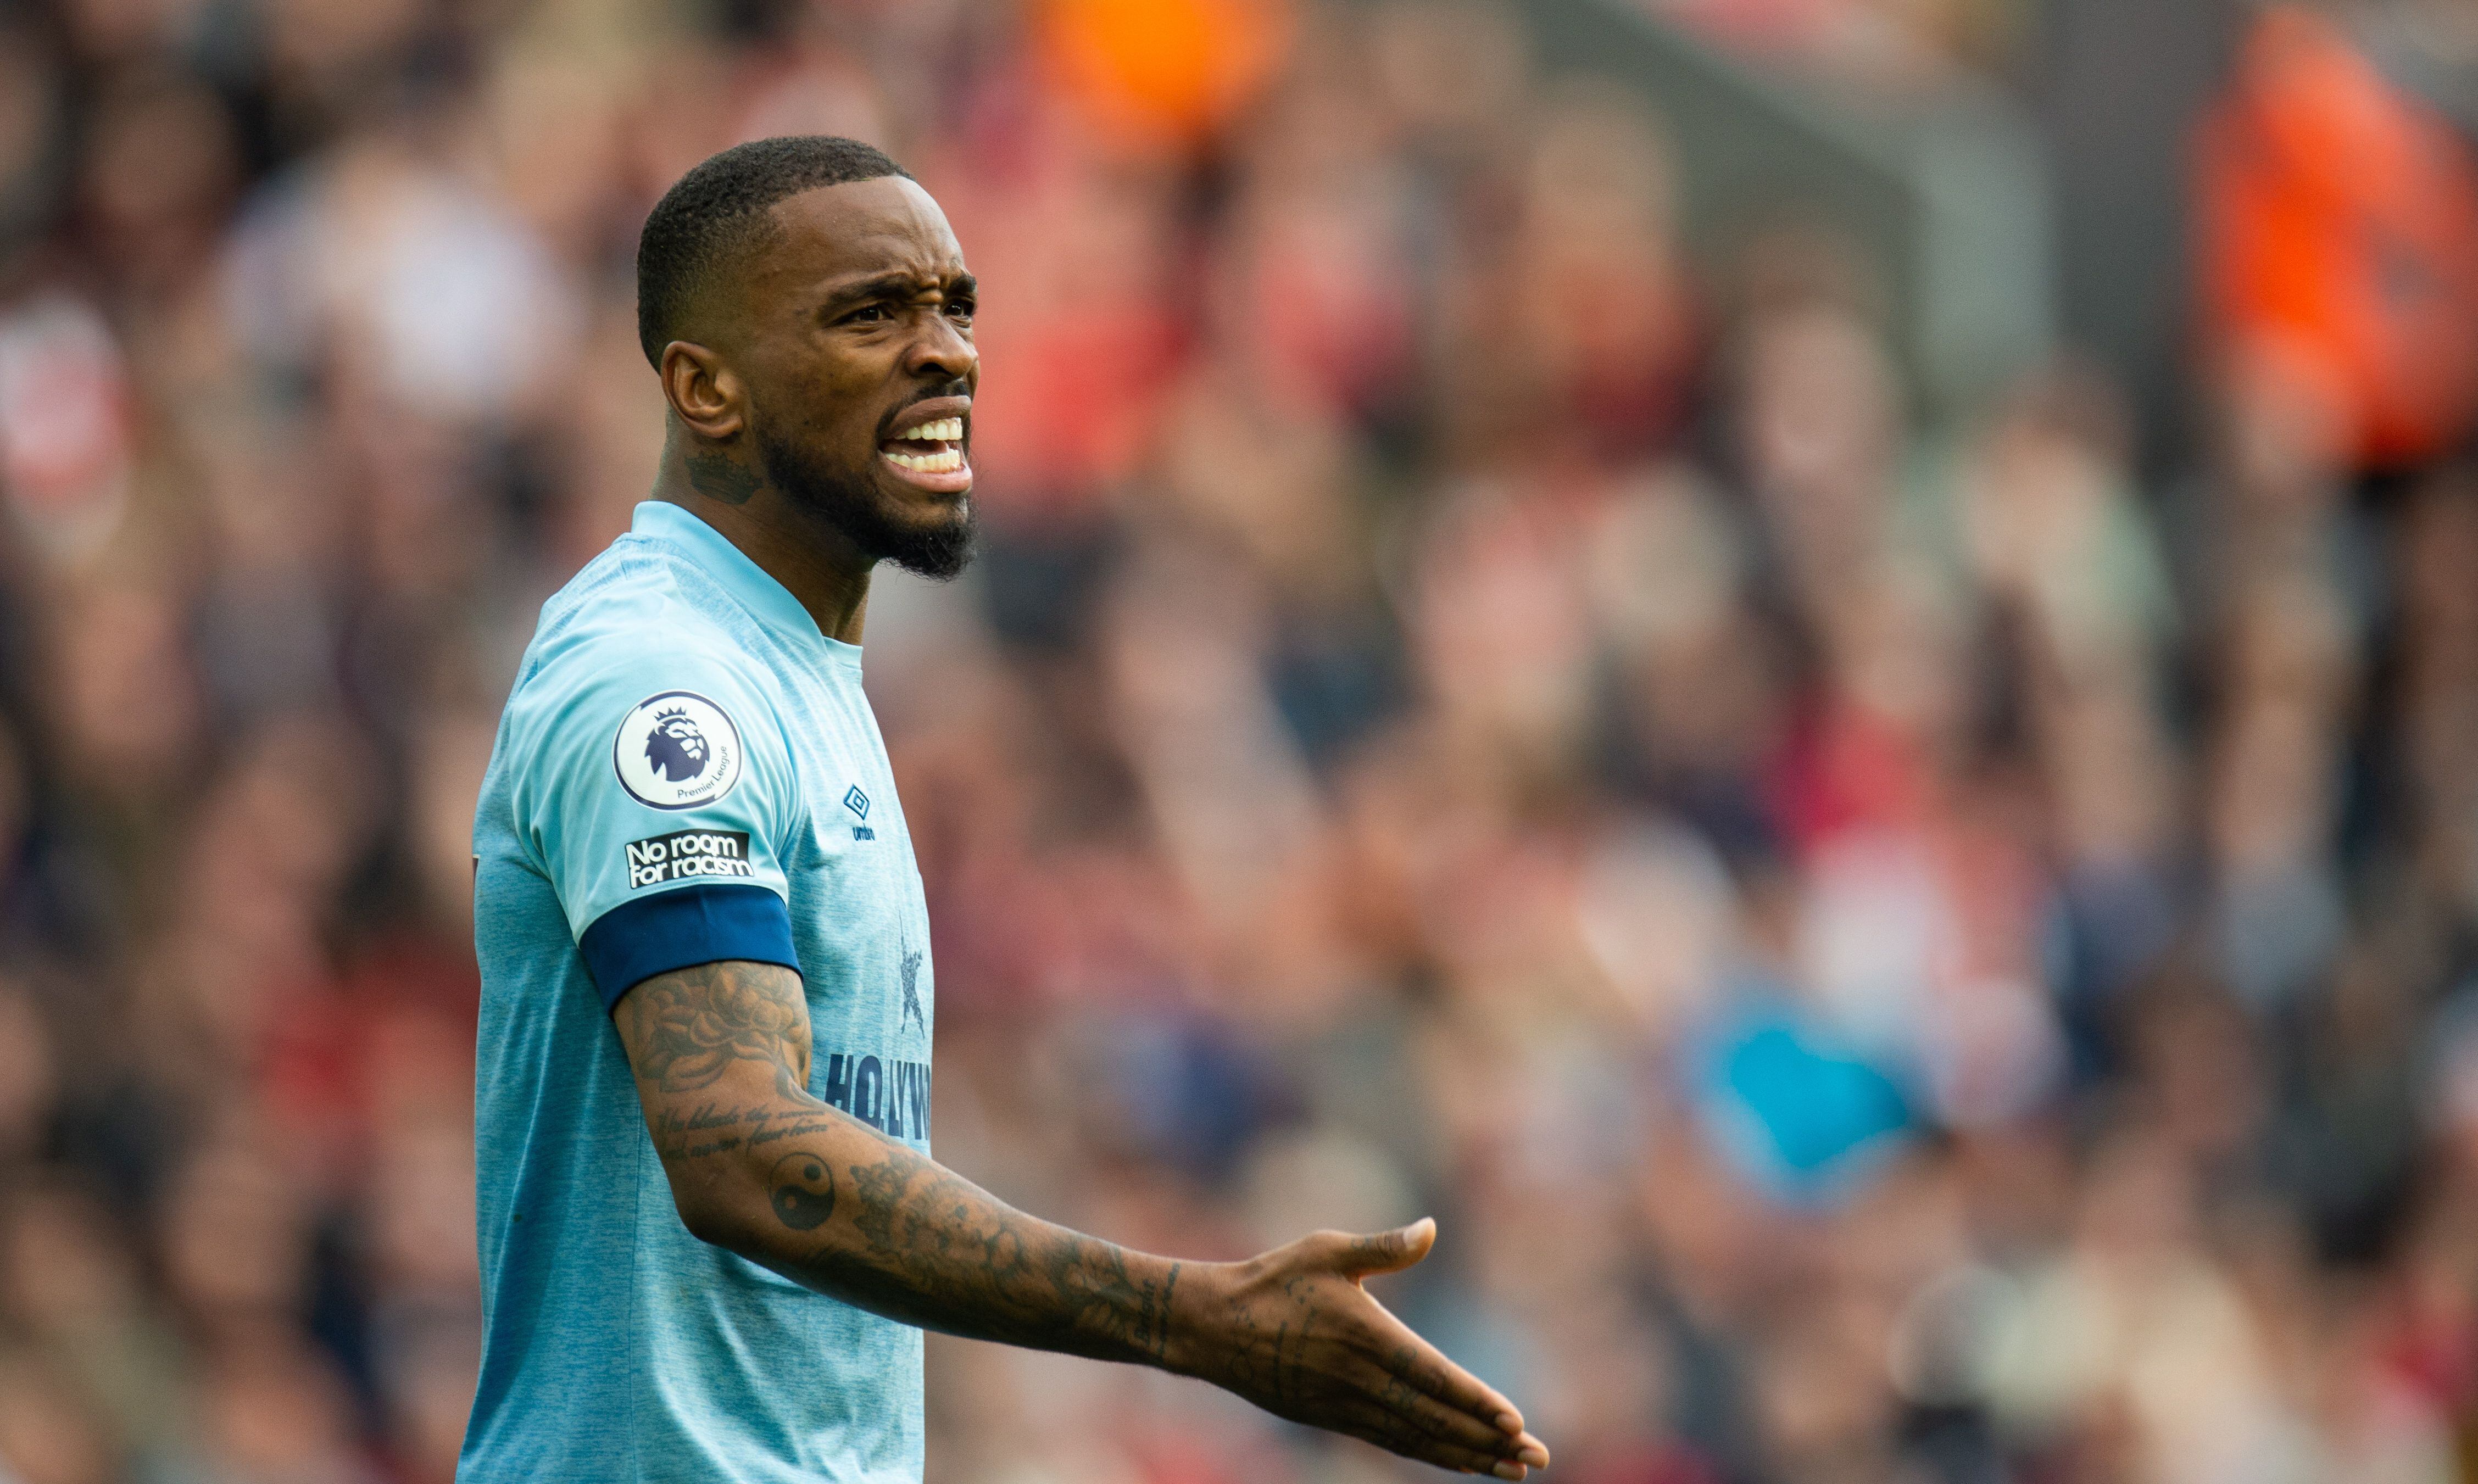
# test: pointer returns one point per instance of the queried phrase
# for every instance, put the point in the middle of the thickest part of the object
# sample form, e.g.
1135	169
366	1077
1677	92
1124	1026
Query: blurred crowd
1899	952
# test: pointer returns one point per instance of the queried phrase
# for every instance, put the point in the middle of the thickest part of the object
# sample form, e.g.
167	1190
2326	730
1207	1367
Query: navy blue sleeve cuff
680	929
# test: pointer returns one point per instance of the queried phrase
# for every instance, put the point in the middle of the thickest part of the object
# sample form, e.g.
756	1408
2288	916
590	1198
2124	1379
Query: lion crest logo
678	750
676	747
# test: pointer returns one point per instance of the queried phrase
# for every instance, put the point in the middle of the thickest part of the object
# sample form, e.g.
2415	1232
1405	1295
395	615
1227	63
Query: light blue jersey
687	771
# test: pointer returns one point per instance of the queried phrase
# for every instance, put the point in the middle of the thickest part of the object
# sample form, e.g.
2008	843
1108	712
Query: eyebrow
899	285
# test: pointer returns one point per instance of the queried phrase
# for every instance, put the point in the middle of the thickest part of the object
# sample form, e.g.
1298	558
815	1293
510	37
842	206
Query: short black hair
714	213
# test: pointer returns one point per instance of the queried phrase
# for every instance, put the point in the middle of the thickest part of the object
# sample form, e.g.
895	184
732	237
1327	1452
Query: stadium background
1898	870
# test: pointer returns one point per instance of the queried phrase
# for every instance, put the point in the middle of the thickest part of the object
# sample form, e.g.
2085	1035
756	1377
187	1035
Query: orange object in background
2337	228
1163	71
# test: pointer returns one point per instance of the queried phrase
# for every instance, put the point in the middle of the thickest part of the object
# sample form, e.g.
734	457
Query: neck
815	561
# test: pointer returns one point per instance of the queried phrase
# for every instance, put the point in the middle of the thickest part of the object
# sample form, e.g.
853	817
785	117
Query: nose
941	352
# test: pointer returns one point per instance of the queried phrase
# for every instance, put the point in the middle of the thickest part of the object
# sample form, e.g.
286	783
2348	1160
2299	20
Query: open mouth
935	446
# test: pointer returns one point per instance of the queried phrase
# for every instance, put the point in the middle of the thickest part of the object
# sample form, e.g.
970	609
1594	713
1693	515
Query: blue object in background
1794	1104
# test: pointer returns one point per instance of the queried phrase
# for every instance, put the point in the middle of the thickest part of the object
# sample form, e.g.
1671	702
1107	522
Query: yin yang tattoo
803	1191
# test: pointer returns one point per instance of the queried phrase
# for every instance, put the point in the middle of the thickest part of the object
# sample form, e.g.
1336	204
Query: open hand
1295	1333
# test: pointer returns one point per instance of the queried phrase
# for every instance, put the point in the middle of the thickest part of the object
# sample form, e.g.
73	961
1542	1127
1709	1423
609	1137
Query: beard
855	507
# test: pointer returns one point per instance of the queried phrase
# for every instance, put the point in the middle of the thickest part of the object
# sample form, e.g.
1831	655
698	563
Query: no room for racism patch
686	853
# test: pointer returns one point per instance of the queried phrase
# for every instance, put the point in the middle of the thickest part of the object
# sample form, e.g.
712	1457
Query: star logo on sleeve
912	990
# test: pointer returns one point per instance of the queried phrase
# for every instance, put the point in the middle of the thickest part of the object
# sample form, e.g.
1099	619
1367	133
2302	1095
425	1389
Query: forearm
832	1204
720	1053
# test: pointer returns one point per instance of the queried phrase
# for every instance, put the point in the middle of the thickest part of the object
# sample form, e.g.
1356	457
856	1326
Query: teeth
944	430
944	460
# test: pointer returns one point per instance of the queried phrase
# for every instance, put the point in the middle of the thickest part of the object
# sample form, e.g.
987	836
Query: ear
703	392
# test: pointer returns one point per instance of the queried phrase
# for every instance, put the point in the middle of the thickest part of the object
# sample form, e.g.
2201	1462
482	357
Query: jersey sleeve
658	797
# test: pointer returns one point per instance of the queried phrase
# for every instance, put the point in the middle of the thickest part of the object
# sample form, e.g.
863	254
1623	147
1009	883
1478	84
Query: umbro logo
858	803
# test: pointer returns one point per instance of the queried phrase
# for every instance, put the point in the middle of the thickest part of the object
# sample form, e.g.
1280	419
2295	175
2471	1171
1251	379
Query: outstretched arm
761	1167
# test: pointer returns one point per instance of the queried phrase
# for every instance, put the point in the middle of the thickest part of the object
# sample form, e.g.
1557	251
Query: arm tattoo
721	477
688	1026
853	1213
803	1188
938	1251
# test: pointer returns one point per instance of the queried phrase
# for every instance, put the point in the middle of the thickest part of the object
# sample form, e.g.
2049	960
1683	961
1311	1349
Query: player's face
861	369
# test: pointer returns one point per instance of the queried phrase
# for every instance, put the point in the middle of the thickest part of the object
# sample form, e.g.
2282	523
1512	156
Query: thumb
1390	1251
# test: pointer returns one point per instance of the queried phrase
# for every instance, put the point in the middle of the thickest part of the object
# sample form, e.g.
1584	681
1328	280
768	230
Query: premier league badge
676	750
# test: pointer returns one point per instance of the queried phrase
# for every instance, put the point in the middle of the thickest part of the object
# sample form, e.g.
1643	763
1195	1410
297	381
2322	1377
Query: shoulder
624	647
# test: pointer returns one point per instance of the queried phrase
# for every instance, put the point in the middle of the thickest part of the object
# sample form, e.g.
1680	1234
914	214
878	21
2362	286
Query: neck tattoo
718	477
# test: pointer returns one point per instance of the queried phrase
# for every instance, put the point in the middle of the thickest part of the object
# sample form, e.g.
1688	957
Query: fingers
1417	1364
1411	1360
1433	1419
1493	1427
1389	1252
1368	1374
1422	1385
1398	1432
